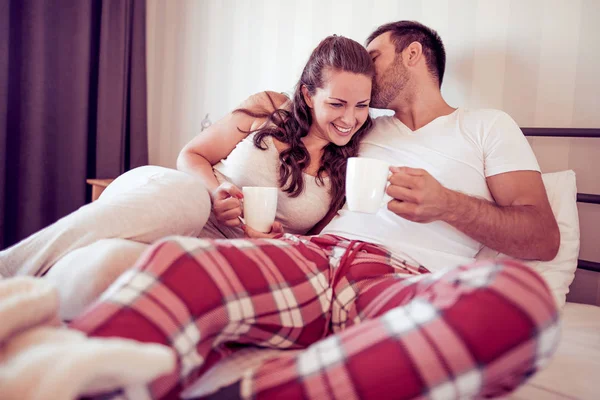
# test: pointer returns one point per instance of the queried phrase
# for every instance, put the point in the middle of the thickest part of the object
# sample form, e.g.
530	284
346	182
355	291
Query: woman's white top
247	165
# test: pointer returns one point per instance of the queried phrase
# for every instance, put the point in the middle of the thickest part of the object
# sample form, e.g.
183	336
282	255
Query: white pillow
558	273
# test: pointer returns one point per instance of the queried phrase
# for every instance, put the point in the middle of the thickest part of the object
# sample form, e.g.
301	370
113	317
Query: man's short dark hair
403	33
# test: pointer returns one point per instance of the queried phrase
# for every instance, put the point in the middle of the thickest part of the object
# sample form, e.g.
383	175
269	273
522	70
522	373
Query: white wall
538	60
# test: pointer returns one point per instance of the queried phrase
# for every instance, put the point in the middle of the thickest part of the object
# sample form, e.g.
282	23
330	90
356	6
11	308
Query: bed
573	372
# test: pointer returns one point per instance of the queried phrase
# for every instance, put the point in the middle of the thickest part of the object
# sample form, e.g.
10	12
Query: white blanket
143	205
40	359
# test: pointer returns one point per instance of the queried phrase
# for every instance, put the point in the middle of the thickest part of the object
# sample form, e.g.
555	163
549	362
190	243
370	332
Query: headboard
581	197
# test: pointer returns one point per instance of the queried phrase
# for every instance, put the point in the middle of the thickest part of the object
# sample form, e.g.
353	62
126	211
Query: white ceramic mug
366	180
260	207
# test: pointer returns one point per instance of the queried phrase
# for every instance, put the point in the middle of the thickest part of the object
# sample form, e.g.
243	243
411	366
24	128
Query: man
390	328
475	179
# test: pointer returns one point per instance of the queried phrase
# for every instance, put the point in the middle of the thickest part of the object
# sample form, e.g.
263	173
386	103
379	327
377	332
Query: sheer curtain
175	34
205	57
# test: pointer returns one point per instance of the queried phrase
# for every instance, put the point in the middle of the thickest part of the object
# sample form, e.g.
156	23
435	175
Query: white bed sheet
574	372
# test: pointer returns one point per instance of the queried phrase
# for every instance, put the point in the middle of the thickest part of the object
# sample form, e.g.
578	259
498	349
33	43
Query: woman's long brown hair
335	53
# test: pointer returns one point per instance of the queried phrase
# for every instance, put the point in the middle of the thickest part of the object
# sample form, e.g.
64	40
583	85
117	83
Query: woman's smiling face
340	107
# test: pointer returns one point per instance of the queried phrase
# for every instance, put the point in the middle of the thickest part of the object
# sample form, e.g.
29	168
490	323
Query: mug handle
241	218
386	197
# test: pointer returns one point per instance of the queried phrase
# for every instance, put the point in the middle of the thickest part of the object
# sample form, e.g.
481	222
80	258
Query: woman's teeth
343	130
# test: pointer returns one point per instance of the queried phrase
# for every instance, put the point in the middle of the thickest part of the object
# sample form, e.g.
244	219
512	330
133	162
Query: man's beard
387	87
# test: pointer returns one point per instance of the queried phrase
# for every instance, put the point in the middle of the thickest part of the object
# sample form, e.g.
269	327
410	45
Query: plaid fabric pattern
373	326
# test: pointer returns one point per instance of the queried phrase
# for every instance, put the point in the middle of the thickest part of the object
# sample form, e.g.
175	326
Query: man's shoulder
483	121
381	125
383	119
482	115
474	115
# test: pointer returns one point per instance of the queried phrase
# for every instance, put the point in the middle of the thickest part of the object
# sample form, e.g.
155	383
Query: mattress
573	373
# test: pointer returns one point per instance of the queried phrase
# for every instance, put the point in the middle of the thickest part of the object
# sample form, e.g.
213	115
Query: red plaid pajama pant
372	326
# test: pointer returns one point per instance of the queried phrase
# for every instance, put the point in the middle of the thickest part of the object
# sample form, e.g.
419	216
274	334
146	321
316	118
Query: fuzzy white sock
41	361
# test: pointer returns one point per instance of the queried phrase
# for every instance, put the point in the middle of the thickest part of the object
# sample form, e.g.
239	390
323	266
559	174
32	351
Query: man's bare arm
520	223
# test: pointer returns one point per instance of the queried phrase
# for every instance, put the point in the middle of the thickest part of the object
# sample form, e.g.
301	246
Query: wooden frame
98	186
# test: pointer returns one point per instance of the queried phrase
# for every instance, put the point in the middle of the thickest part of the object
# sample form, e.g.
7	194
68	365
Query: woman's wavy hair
334	53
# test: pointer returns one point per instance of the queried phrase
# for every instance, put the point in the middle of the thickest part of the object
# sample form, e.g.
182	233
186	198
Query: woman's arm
215	143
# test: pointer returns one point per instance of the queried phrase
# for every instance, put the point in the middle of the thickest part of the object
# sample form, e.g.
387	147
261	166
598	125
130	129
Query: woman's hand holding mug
227	204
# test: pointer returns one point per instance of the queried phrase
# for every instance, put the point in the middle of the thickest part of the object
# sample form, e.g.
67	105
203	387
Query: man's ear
307	97
413	53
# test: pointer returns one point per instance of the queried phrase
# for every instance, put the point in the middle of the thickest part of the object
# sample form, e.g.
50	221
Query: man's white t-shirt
460	150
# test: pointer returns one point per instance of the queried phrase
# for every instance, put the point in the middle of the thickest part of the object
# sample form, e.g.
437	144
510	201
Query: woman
299	144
